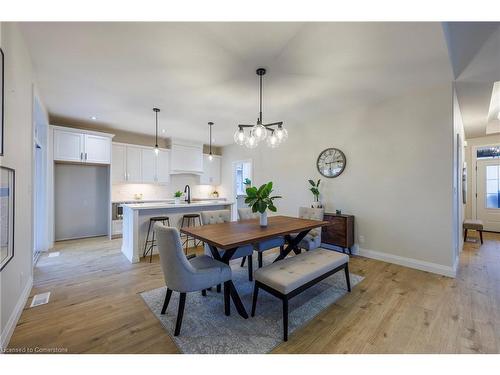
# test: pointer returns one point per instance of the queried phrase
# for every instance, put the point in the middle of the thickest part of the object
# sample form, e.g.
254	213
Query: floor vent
54	254
40	299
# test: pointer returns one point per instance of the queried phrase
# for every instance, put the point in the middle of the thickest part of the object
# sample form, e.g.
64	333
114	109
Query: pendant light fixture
259	131
210	157
157	150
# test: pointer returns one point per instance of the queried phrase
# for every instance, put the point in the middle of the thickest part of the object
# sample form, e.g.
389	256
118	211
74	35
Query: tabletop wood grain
237	233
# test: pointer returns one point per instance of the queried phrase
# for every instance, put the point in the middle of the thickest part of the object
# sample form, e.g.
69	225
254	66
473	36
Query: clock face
331	162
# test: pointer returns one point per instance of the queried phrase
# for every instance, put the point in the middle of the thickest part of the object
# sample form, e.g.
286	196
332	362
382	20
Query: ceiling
200	72
475	56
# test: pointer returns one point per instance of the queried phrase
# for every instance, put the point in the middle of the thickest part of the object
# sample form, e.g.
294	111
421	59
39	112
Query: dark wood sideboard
340	231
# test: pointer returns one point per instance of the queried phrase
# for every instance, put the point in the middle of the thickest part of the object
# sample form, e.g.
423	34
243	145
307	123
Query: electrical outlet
361	239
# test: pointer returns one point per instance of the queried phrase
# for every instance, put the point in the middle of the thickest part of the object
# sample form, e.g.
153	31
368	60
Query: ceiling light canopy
274	132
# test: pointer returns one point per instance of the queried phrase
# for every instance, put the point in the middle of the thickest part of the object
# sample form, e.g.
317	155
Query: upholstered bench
473	224
291	276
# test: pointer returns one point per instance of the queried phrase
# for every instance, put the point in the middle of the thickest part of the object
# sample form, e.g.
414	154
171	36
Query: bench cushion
473	224
291	273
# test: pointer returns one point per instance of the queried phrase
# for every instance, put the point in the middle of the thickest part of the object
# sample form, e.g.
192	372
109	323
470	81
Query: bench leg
227	305
481	236
250	268
259	256
254	300
465	234
285	318
347	278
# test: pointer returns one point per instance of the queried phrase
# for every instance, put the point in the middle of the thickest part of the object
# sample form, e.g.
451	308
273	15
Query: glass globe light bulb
239	137
210	157
251	141
272	140
281	133
157	150
260	132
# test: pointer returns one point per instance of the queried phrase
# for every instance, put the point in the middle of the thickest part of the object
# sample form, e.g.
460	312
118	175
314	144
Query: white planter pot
263	219
316	205
177	200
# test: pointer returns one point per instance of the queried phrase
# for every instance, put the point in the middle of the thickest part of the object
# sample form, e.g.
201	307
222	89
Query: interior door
488	194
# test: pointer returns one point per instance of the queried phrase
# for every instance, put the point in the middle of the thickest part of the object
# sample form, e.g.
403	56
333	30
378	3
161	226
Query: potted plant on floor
260	200
177	197
315	191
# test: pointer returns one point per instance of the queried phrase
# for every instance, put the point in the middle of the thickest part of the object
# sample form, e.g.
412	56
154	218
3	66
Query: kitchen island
136	221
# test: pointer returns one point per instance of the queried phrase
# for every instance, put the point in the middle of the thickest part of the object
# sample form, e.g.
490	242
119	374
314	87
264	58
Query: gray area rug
205	328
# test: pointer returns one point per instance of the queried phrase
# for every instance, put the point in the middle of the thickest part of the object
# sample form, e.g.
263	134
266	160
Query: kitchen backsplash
125	192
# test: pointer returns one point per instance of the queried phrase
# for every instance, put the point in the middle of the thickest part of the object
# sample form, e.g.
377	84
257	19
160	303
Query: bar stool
152	221
189	220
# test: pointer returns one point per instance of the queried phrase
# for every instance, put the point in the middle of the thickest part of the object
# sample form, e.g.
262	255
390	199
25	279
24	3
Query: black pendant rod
210	134
156	110
260	104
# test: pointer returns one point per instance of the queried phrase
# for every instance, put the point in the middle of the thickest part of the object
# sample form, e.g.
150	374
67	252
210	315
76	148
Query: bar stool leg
147	238
152	247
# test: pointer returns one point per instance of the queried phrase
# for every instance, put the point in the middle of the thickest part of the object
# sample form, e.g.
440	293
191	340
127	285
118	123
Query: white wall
458	161
16	277
398	179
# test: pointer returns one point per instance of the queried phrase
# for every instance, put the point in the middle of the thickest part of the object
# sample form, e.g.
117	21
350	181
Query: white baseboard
408	262
16	314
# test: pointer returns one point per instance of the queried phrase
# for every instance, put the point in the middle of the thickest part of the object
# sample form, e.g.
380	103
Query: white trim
16	314
408	262
82	131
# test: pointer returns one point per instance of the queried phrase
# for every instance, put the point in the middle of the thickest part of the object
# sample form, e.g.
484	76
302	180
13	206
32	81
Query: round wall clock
331	162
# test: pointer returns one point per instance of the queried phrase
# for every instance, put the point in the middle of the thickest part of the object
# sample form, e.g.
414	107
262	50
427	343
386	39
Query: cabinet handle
81	155
85	156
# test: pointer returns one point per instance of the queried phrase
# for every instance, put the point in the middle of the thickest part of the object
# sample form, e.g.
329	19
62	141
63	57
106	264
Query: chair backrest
247	214
312	214
215	217
177	270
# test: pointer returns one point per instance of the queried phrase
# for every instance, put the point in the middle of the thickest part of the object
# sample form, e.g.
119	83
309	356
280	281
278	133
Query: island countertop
166	205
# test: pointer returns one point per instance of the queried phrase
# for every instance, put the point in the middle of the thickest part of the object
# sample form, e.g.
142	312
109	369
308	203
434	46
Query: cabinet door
134	164
148	165
211	171
186	159
97	149
163	167
68	146
118	164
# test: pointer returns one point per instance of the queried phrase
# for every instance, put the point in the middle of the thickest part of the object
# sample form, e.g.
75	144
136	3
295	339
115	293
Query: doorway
488	193
241	172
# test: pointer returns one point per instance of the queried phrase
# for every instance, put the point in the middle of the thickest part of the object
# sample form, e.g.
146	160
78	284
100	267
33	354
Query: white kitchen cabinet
119	164
68	146
211	170
163	167
97	149
134	164
74	145
186	158
148	165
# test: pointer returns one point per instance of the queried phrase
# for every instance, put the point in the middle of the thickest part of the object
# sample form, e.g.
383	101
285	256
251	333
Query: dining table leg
233	292
292	245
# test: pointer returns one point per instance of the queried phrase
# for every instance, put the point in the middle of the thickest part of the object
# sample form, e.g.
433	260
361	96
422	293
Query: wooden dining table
231	235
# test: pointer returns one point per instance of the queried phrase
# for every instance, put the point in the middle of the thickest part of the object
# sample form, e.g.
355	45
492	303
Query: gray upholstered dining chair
224	216
313	239
183	275
247	214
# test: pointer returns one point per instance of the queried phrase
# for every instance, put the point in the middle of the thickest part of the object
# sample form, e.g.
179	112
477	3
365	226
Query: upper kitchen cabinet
74	145
211	170
186	157
139	164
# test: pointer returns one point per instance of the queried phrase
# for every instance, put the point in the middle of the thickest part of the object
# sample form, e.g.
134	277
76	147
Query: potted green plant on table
177	197
315	191
260	200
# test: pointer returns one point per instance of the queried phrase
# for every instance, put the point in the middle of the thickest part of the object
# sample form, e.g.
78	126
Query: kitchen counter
136	220
170	205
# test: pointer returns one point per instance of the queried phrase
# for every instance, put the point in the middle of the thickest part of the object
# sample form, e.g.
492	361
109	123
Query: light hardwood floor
95	306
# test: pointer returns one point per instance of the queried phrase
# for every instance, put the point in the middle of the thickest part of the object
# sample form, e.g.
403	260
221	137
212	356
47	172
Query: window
490	152
242	172
492	186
